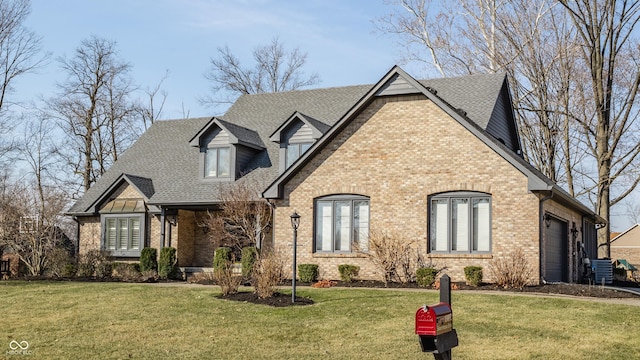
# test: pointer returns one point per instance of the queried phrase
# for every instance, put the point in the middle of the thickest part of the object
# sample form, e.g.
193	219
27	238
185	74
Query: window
217	162
294	151
460	222
341	221
123	235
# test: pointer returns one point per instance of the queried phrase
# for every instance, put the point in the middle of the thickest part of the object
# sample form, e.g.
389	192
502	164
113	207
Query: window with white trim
460	222
123	234
294	151
341	223
217	162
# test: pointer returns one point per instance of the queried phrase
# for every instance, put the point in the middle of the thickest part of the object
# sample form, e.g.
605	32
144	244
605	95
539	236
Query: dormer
295	136
225	149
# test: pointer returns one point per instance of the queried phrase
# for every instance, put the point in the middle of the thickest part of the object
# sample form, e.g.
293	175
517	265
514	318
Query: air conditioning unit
602	269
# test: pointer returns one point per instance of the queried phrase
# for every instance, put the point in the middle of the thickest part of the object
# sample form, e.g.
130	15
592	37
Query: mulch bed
277	300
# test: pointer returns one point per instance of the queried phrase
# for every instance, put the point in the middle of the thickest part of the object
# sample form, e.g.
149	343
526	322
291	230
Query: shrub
168	263
426	276
473	274
223	275
94	262
149	259
348	272
61	263
127	271
308	272
391	254
268	272
104	269
221	257
511	271
248	259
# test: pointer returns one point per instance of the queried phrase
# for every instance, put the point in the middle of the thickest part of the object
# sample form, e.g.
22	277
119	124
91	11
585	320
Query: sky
181	36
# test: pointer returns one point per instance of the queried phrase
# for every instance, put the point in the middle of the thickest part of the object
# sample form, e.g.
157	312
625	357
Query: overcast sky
180	36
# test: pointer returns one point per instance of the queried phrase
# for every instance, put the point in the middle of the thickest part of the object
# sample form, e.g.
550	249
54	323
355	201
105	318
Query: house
626	245
437	161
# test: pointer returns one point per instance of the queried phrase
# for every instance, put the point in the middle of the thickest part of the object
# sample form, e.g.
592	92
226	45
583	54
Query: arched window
341	223
460	222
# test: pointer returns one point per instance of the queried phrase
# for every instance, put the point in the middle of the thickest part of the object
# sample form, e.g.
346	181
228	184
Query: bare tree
610	51
275	70
245	218
19	54
152	108
94	108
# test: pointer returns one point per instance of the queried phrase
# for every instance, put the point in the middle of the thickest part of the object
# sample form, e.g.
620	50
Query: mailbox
434	325
434	320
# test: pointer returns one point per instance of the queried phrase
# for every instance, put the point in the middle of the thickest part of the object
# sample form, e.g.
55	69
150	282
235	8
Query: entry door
556	251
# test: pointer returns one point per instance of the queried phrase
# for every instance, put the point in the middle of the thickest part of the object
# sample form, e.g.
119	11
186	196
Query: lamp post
295	222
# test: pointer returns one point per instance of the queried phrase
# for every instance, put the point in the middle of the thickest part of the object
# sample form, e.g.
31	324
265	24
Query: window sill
338	255
124	254
459	256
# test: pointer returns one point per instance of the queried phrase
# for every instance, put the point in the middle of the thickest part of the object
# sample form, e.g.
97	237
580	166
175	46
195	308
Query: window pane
481	225
111	233
439	224
361	224
293	152
460	224
323	226
211	163
123	233
224	160
304	147
135	234
343	224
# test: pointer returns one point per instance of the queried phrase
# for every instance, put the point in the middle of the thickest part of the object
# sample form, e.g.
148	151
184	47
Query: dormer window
296	135
217	162
225	149
294	151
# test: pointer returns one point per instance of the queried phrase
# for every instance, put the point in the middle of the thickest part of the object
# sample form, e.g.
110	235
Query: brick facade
398	152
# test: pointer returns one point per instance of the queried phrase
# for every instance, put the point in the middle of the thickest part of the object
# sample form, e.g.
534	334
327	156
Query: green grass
68	320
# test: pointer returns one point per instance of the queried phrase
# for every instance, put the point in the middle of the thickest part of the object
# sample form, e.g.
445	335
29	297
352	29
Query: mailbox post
434	324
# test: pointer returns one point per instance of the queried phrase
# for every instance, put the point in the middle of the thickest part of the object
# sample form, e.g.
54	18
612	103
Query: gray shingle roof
164	166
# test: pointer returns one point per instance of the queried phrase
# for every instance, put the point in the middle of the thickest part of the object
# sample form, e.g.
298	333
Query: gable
631	237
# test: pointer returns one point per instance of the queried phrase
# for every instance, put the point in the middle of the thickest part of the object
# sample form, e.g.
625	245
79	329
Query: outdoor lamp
295	220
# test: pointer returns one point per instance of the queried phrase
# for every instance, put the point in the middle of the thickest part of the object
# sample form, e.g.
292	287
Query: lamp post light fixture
295	222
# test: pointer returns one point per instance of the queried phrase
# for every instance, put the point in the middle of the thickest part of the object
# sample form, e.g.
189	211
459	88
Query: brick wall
397	152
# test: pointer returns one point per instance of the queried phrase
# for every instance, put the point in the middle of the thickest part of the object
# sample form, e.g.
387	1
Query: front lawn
70	320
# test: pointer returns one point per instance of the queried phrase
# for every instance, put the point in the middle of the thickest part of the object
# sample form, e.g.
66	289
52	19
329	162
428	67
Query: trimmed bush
221	257
168	263
473	274
308	272
149	259
248	259
348	272
426	276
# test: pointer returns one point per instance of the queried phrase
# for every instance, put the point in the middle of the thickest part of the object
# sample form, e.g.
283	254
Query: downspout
541	230
162	227
77	247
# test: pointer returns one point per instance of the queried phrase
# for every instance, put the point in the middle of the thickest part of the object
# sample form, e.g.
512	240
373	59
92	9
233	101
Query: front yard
72	320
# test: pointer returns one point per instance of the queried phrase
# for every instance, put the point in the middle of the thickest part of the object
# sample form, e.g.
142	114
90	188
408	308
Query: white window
341	223
460	222
123	234
217	162
294	151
